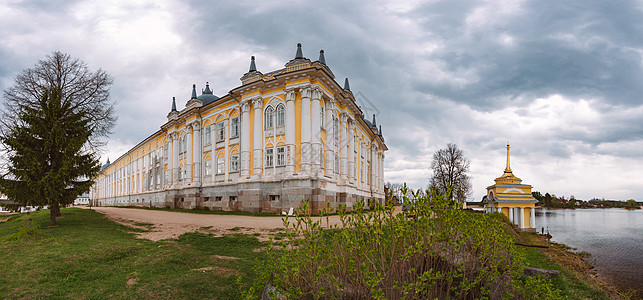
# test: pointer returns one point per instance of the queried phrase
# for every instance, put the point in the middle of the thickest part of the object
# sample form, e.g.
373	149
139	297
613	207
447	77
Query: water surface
613	237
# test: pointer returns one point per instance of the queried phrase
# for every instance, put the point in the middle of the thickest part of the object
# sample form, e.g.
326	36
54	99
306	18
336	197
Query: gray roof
206	95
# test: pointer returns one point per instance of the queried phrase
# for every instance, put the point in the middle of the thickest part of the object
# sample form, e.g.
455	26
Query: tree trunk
54	211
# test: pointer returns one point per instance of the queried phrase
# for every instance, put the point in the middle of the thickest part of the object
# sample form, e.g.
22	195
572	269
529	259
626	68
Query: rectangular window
208	167
281	156
218	198
233	198
234	163
220	131
220	165
274	197
167	177
208	135
336	164
166	151
180	173
269	153
234	127
206	199
321	117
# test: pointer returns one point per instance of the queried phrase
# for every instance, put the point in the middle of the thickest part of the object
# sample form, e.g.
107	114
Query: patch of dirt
131	281
224	257
221	271
170	225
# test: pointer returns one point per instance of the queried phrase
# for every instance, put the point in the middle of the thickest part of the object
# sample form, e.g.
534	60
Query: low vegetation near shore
431	250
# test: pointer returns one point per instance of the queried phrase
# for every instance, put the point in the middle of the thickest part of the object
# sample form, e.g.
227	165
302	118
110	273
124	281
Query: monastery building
280	137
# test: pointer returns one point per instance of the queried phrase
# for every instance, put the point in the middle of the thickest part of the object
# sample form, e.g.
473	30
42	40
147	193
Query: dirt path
169	225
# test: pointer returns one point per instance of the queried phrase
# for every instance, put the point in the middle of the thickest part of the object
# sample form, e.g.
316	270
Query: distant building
280	137
513	199
82	199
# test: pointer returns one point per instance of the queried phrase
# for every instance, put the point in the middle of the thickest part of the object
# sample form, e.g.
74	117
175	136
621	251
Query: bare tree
450	168
81	91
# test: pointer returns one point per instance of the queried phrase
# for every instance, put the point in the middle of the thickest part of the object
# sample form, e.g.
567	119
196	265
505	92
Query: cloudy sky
562	81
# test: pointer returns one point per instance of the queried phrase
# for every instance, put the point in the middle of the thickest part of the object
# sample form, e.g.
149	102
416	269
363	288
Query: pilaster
305	130
315	121
245	138
257	104
290	131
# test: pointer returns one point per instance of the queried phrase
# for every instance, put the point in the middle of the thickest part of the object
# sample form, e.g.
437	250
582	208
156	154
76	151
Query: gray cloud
559	79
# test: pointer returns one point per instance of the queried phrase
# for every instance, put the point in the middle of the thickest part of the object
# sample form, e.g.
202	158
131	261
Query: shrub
430	250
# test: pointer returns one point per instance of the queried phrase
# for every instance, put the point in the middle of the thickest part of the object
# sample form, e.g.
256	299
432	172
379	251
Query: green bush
430	250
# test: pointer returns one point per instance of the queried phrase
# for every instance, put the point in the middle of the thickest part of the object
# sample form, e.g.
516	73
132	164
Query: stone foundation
265	196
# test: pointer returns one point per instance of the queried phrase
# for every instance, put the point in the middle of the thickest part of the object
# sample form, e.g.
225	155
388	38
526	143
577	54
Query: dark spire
346	85
374	123
173	103
108	160
193	91
322	59
253	67
207	90
380	130
299	54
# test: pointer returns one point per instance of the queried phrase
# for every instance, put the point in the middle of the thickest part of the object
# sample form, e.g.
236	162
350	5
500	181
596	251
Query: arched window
280	115
321	117
268	117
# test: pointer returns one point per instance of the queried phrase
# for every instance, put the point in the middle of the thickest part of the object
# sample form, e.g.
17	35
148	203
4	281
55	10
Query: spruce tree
54	117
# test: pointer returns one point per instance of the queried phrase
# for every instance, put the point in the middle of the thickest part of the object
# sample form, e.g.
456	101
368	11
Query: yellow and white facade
280	137
513	199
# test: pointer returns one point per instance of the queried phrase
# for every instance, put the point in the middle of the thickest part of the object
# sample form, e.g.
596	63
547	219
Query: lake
613	237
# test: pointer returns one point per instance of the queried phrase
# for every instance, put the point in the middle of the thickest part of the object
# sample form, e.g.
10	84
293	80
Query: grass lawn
573	281
87	256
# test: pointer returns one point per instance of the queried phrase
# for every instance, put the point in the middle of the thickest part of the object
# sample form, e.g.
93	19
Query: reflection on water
613	236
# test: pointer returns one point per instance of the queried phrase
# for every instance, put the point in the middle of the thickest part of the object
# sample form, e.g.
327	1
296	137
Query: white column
343	148
315	122
257	103
213	157
511	215
198	152
381	168
521	218
175	160
330	139
532	220
245	139
170	159
188	161
373	164
351	151
290	131
305	130
226	156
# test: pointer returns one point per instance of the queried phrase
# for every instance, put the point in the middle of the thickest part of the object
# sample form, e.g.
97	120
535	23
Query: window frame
268	117
220	131
280	114
269	161
207	135
234	163
234	127
220	165
280	159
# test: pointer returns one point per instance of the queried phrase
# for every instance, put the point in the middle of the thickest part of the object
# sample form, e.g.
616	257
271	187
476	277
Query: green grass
88	256
569	283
